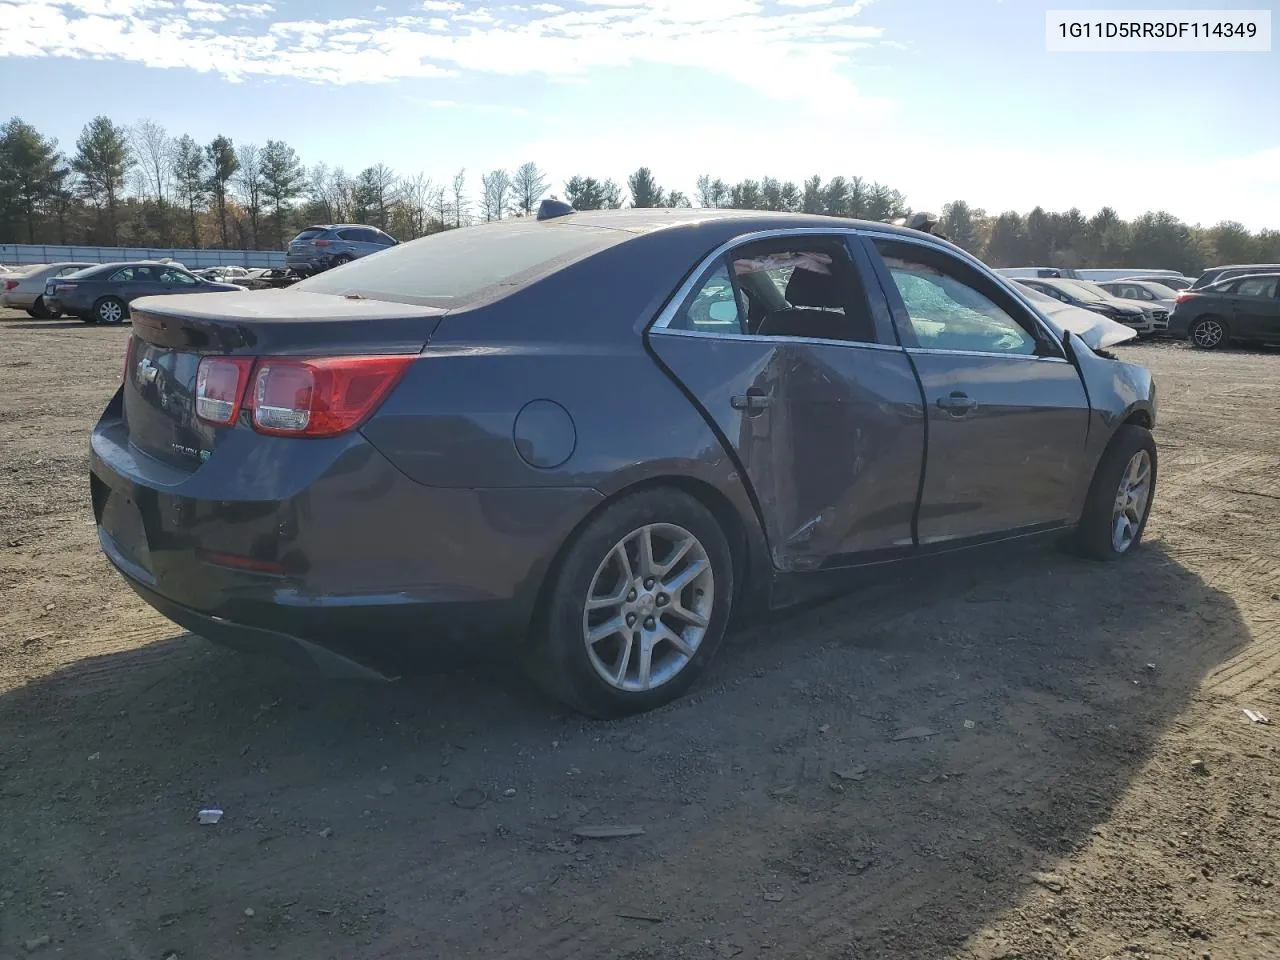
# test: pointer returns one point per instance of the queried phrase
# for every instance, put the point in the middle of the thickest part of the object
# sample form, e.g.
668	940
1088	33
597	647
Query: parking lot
1036	758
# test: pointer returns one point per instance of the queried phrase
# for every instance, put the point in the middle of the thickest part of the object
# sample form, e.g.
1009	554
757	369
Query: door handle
957	403
753	400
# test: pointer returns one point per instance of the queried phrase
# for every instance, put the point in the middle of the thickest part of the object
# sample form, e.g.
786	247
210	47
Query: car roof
1268	274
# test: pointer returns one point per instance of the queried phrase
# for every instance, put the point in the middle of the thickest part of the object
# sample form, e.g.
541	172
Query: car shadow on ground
875	776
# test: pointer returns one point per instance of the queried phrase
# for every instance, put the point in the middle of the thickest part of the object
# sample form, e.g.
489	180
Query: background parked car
25	291
267	278
1243	308
1018	273
1173	283
1216	274
103	293
320	247
1089	297
1146	292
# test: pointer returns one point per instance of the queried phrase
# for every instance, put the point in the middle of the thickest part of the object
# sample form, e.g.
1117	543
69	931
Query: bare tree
440	206
460	206
318	192
495	194
417	194
529	185
248	179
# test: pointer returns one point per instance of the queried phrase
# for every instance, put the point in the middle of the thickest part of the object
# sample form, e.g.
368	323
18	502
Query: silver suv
320	247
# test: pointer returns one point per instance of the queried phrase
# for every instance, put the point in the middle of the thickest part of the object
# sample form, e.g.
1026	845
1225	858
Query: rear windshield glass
308	235
460	266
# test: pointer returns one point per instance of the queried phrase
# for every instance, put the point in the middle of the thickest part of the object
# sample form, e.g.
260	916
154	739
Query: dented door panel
830	436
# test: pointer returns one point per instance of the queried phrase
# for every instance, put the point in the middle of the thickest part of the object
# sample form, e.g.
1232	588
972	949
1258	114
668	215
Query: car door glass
67	271
947	313
177	277
1256	287
782	289
713	307
122	276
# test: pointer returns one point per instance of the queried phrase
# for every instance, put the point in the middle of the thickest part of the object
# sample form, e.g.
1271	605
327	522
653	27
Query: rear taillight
320	396
10	284
323	243
1183	297
220	386
63	287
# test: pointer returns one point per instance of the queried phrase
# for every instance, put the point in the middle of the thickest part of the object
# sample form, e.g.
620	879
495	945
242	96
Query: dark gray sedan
597	435
103	294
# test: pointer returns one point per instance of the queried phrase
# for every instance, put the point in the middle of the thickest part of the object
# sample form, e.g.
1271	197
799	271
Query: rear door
1007	412
145	282
778	344
1255	309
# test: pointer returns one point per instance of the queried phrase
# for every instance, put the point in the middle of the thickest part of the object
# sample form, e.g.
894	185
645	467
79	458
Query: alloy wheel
110	311
648	607
1208	333
1132	499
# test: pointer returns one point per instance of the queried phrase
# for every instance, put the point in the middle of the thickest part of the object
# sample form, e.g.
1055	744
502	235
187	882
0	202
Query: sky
942	99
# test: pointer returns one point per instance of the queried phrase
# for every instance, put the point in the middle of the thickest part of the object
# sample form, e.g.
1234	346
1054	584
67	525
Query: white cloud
803	3
795	54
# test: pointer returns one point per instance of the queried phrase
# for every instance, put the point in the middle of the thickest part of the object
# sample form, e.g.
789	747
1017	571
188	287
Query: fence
14	254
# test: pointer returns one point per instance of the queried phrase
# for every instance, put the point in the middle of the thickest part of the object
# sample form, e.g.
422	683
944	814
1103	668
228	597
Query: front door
1256	309
1008	414
778	344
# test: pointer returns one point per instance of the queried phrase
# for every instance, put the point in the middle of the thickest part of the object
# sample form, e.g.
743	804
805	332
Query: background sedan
1241	309
25	291
433	445
103	294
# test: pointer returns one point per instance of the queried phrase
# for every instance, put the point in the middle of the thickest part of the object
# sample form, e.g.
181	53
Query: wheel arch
746	541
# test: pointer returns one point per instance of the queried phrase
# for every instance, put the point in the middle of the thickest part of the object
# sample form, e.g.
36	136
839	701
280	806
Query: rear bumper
14	300
303	265
364	562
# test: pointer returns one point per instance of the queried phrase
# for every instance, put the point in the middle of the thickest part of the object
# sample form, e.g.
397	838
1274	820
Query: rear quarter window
464	266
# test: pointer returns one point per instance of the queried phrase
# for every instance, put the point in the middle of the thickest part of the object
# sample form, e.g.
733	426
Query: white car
1089	326
25	291
1147	292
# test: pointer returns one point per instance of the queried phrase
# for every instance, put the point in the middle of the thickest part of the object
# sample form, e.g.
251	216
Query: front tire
637	607
1209	333
1120	497
110	310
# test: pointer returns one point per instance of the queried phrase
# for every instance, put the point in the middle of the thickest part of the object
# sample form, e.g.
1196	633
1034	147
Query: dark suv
318	248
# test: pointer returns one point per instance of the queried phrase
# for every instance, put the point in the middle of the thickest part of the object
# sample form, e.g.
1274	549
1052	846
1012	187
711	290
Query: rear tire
110	310
1209	333
662	640
342	258
41	312
1120	496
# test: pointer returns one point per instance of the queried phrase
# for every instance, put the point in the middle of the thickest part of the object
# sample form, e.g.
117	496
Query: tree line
142	186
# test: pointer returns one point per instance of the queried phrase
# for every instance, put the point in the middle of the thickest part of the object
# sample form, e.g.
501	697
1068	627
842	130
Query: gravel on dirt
1069	802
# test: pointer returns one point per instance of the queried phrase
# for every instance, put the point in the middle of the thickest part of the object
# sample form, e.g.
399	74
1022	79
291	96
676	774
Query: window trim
855	239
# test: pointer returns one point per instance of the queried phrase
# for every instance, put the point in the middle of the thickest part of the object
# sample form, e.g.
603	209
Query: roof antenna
550	209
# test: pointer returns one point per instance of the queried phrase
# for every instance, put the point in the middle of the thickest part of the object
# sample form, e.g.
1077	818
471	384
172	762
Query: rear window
465	265
309	234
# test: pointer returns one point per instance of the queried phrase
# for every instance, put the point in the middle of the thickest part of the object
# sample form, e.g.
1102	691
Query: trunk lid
172	334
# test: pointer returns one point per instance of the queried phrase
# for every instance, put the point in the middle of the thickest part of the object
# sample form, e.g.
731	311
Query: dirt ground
1090	787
